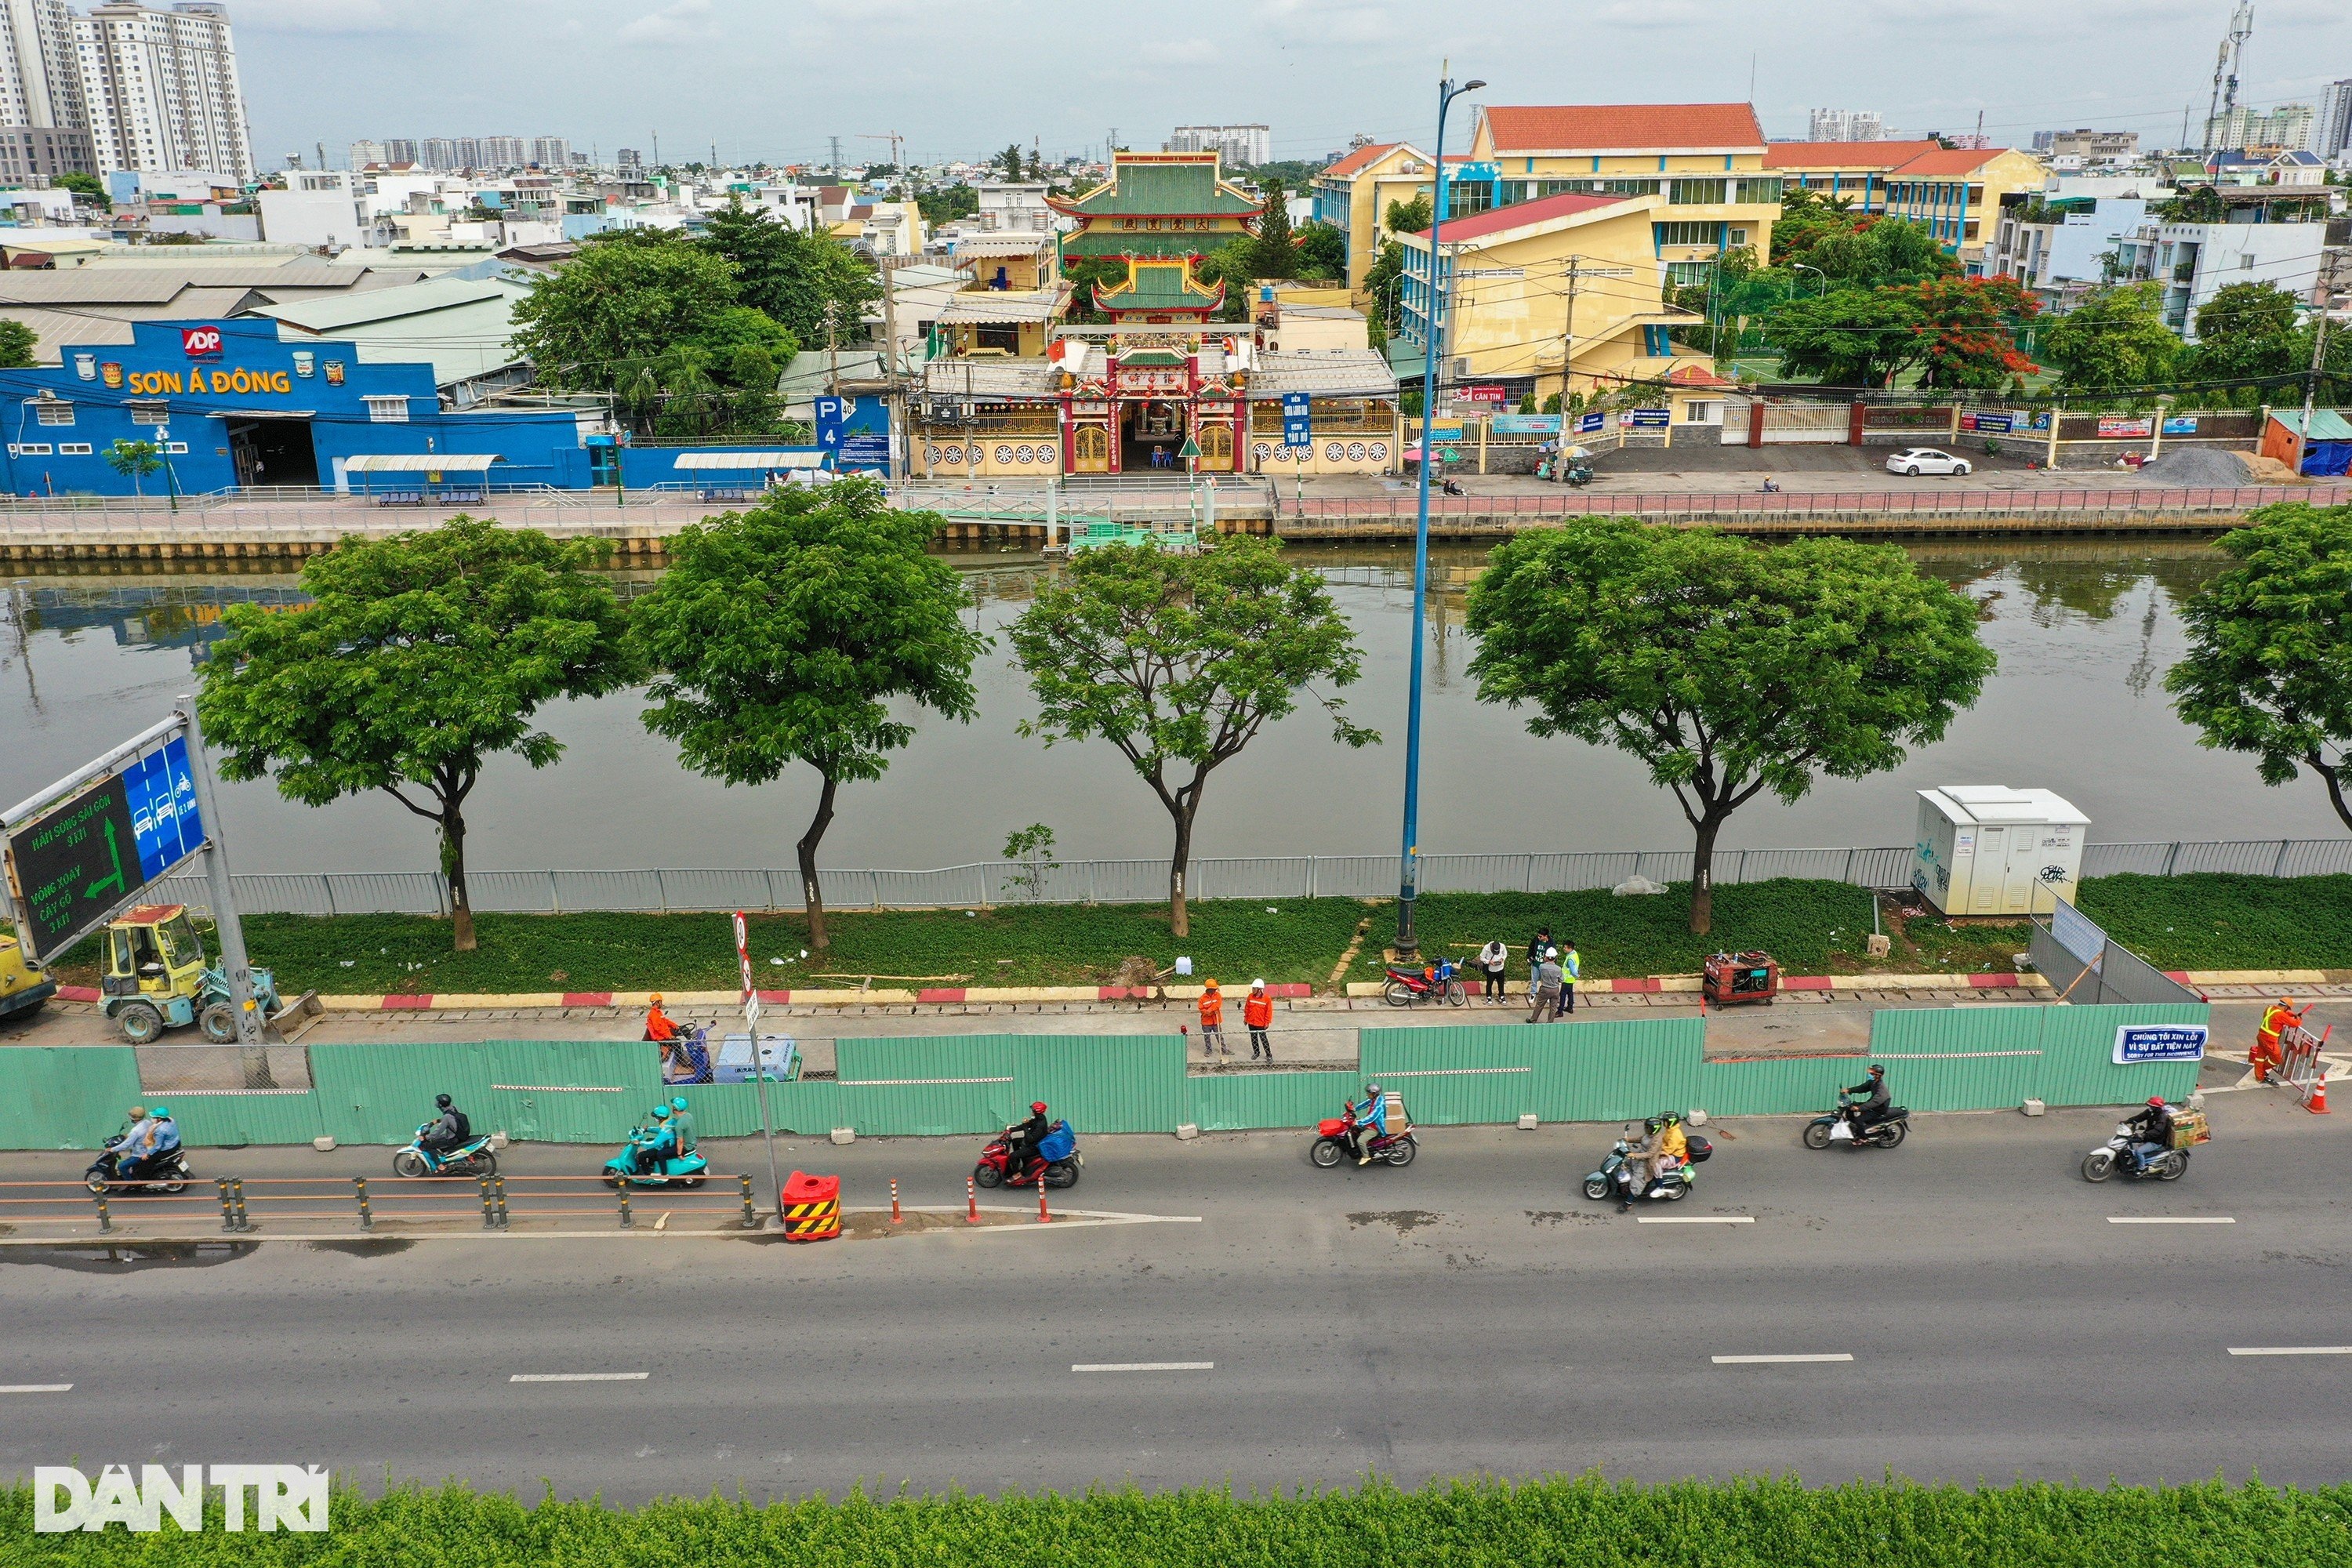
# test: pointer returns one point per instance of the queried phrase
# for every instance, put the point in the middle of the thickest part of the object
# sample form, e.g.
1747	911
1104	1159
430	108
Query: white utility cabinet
1988	849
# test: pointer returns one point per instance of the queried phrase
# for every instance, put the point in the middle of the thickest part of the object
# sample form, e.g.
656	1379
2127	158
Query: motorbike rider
657	1142
1370	1119
681	1123
1021	1141
659	1025
132	1143
1873	1109
2152	1124
1641	1165
449	1130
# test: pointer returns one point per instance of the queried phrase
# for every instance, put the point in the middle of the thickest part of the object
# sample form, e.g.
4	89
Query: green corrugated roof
1155	190
2326	423
1157	287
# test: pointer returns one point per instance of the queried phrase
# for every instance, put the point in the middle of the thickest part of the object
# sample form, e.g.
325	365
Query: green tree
1729	669
134	461
1274	254
619	299
1322	252
1408	218
1807	218
87	188
800	631
791	274
2269	670
1008	162
1971	326
17	342
945	204
421	657
2116	339
1881	252
741	327
1179	661
1849	337
2249	331
2199	204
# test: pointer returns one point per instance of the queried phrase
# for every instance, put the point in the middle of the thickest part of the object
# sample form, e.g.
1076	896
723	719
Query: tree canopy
1849	337
1729	669
621	299
17	341
791	274
786	633
1179	661
2248	332
2115	340
421	657
2269	670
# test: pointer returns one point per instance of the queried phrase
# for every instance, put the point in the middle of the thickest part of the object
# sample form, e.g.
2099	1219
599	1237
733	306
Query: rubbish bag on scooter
1059	1143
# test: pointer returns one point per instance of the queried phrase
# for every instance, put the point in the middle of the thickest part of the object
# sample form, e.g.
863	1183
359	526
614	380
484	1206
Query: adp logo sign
284	1497
200	343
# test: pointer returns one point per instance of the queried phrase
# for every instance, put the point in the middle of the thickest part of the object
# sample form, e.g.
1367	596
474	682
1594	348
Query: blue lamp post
1407	943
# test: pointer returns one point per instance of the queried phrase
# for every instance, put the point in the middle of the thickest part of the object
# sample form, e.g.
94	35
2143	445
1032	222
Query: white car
1917	460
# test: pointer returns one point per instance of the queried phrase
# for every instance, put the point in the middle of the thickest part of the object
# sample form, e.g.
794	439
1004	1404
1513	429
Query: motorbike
471	1158
164	1173
1058	1149
688	1171
1334	1133
1577	473
687	1060
1837	1127
2142	1161
1673	1187
1407	987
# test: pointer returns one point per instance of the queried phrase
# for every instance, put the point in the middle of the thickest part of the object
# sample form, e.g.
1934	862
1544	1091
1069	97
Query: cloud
679	22
319	16
1336	22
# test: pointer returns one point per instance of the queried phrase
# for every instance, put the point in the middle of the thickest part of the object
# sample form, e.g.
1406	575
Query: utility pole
891	402
2323	296
657	150
832	347
1567	360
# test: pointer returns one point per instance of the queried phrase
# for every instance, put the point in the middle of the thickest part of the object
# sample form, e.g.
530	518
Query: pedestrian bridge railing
990	883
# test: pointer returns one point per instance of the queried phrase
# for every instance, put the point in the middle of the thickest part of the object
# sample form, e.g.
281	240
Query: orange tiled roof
1843	154
1939	162
1494	220
1528	128
1360	157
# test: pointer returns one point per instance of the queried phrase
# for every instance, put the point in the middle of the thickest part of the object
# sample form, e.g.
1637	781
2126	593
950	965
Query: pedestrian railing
1926	501
992	883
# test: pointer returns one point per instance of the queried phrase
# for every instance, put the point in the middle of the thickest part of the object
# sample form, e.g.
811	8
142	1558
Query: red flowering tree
1970	329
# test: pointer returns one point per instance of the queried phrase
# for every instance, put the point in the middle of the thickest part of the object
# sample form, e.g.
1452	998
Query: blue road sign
1297	426
161	795
830	412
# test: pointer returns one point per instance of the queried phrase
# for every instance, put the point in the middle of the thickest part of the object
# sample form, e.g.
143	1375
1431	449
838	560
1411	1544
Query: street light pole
1407	943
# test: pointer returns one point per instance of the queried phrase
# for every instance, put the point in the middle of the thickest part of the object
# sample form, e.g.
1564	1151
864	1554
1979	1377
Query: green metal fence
954	1085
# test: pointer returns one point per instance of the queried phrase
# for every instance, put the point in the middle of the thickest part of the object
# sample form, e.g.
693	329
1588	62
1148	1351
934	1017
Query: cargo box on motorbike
1698	1149
2189	1129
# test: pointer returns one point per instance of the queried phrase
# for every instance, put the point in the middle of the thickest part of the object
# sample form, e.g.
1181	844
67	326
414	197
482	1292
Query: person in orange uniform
1258	1013
1213	1021
2277	1019
658	1024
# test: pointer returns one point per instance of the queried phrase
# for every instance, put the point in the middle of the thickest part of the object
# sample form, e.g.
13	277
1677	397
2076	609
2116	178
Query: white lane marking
1694	1219
35	1388
2171	1219
1142	1366
579	1377
2291	1350
1773	1360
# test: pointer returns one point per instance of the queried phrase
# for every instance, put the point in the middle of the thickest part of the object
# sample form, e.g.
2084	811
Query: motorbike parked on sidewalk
1058	1149
1838	1127
1440	982
2141	1160
1669	1186
471	1158
1335	1134
112	1173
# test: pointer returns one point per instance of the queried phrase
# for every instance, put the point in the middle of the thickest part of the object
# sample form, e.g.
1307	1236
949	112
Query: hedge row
1587	1523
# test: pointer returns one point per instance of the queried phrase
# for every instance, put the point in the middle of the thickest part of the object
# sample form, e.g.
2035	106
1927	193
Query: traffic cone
2318	1105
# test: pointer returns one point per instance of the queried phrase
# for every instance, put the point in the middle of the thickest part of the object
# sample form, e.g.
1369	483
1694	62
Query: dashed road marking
2291	1350
1775	1360
2171	1219
579	1377
1143	1366
1694	1219
35	1388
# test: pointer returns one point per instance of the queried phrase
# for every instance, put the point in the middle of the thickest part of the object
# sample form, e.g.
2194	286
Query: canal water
2084	630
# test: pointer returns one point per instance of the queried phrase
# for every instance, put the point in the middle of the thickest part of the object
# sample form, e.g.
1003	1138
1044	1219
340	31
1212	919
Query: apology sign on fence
2137	1043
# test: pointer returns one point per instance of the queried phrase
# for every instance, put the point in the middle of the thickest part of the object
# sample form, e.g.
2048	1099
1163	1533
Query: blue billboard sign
161	795
1296	428
1650	418
2159	1043
1590	424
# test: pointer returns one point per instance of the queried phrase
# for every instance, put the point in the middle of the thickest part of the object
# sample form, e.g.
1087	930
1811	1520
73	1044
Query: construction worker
2277	1019
658	1024
1257	1012
1213	1021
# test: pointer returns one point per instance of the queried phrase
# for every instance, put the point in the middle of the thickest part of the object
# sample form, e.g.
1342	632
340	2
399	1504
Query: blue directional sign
2160	1043
1650	418
830	413
161	795
1297	427
1590	424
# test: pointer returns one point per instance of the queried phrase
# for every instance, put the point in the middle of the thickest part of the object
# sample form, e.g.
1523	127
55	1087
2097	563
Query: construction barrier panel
812	1207
1939	1059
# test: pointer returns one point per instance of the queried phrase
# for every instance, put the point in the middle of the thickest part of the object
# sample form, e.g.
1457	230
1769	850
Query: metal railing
1926	501
988	883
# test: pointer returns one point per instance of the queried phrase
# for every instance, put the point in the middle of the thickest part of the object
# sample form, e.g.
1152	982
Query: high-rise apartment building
160	89
2290	125
1237	145
437	152
502	153
551	152
366	152
44	122
1847	125
399	150
2331	128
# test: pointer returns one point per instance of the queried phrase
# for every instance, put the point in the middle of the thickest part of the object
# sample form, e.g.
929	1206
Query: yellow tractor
23	986
156	979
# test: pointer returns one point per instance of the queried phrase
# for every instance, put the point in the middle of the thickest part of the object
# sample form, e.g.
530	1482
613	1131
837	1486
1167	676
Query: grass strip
2204	921
1749	1523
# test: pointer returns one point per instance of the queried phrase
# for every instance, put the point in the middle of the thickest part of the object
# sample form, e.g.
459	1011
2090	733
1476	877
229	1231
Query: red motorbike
1335	1134
1438	982
1056	1157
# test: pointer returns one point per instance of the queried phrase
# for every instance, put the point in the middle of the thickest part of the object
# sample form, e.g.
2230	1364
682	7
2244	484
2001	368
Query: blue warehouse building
243	409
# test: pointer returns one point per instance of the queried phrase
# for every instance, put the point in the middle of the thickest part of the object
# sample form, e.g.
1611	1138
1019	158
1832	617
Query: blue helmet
678	1102
162	1114
661	1113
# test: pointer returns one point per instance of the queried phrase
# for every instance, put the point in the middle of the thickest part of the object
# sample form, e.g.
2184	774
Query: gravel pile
2199	465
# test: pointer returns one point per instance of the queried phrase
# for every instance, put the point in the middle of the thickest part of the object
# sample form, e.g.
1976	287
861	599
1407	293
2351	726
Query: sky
773	81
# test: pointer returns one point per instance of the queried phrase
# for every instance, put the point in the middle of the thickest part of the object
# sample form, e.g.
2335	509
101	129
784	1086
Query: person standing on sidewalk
1493	960
1571	970
1258	1013
1542	941
1212	1021
1546	989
